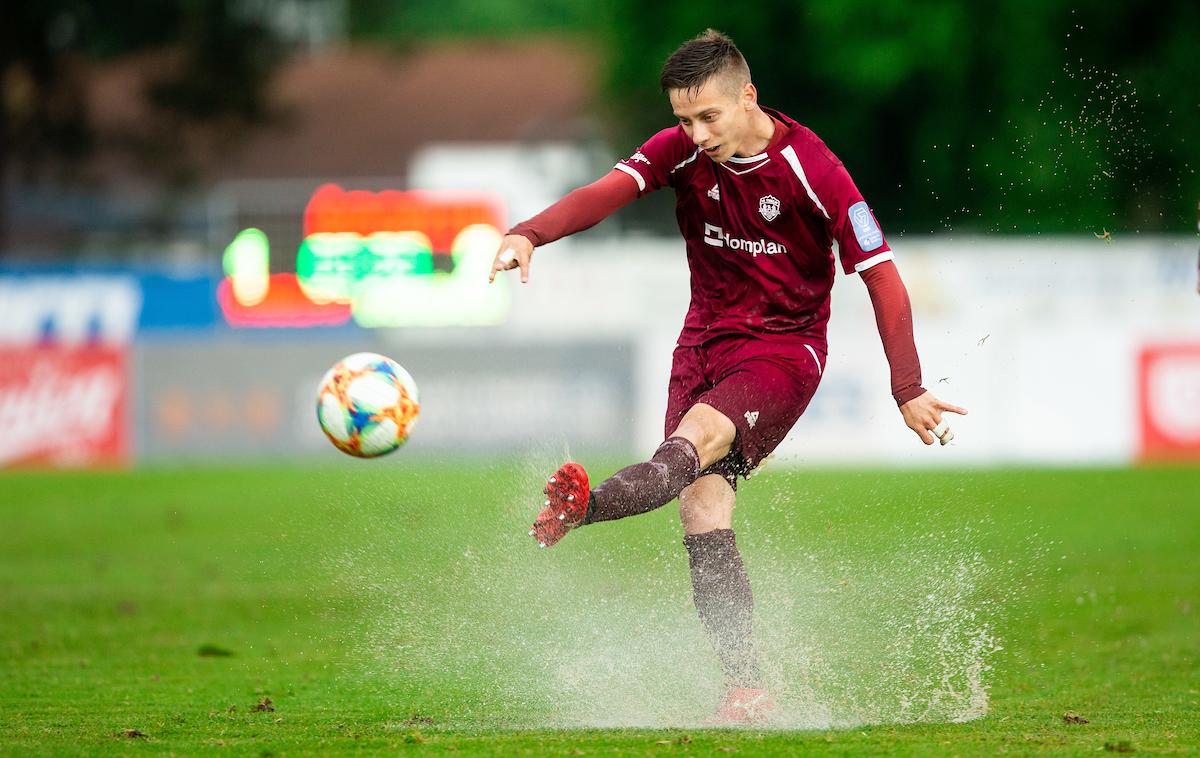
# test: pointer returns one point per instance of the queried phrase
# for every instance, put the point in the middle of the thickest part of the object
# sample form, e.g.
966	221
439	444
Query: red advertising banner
63	406
1169	402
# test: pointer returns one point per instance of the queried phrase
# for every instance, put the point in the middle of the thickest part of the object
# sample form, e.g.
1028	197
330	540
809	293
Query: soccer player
760	201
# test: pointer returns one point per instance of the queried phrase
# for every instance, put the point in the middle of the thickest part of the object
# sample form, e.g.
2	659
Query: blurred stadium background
204	204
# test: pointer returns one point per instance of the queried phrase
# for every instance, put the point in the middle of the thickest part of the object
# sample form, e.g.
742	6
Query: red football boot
744	706
566	504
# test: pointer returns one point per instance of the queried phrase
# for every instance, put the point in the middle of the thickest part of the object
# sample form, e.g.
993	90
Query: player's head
708	82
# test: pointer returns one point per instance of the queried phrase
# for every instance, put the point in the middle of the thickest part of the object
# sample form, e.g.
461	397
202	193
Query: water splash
907	638
600	631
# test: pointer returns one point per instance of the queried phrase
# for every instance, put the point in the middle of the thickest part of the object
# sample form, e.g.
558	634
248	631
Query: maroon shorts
762	387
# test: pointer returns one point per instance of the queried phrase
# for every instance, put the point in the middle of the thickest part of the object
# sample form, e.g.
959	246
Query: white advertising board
1040	339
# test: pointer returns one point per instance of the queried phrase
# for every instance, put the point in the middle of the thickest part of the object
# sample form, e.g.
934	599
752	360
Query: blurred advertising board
365	259
109	305
1065	352
1041	339
1169	402
227	399
63	406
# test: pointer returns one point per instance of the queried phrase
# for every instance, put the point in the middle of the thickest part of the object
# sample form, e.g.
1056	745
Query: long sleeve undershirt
580	209
893	316
589	205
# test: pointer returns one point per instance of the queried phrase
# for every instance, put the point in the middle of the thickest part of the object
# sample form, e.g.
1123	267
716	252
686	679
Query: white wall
1038	338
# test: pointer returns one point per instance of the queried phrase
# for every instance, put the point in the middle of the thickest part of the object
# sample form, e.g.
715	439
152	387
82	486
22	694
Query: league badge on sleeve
768	206
865	229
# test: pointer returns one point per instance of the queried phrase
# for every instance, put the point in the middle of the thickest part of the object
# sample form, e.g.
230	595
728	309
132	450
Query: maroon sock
645	486
721	591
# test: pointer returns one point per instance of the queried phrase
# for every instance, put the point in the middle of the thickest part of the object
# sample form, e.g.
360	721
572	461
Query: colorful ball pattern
367	405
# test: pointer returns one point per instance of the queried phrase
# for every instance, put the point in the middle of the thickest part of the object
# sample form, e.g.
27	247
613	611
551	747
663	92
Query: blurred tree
1000	115
416	21
41	107
220	58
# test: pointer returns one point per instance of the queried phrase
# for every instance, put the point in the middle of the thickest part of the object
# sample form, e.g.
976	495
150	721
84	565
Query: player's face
715	119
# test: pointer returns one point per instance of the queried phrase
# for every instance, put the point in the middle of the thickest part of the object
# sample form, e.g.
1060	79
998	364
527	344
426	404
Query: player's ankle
591	509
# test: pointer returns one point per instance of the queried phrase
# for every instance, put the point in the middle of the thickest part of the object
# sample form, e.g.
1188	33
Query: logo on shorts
639	157
751	418
768	206
715	193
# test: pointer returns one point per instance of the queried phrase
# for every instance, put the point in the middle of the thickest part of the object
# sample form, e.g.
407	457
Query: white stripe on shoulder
686	161
874	260
789	155
632	172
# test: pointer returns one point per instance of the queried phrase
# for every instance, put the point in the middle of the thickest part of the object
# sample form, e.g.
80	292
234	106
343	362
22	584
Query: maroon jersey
760	231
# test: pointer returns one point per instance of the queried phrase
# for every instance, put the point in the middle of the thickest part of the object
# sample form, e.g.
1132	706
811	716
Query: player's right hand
515	251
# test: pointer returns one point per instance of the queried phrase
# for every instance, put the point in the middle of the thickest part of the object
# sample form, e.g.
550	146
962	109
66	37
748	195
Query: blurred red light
440	216
286	305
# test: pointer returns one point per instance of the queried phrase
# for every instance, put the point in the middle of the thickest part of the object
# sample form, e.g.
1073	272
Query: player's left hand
923	414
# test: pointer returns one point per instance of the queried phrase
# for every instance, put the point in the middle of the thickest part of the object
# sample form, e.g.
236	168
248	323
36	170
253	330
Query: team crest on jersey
768	206
751	418
715	193
639	157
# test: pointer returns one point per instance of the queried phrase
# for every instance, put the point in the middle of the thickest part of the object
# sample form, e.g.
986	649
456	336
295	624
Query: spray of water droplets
600	631
908	638
1086	136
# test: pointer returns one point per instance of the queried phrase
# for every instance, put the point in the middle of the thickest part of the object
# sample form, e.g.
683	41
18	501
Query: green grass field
399	606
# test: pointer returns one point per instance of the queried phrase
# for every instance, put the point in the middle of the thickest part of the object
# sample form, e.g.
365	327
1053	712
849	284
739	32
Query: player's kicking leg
761	390
702	437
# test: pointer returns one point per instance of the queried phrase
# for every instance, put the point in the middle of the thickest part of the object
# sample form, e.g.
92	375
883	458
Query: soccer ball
367	405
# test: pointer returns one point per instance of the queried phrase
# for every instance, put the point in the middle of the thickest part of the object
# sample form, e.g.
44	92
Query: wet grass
399	607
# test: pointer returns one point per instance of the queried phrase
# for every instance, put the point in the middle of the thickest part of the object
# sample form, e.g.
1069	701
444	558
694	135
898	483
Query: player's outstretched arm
579	210
922	411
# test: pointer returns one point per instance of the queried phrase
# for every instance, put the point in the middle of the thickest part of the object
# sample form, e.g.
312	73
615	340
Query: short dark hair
700	59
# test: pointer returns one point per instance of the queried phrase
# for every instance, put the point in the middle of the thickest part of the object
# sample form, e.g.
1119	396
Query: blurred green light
247	264
461	298
332	266
387	278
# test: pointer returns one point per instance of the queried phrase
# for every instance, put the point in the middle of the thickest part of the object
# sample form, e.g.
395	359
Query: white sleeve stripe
874	260
632	172
789	154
